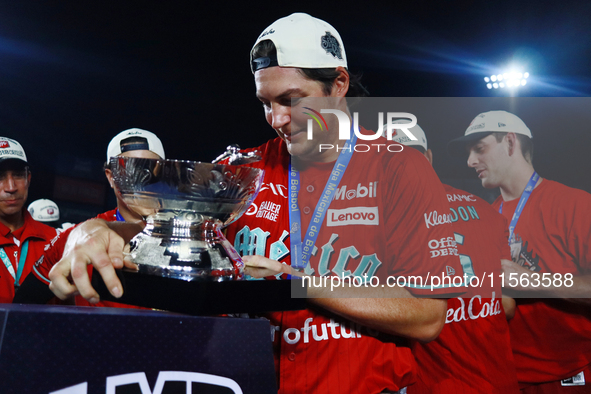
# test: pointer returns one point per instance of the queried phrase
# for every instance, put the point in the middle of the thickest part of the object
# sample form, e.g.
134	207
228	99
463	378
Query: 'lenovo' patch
367	216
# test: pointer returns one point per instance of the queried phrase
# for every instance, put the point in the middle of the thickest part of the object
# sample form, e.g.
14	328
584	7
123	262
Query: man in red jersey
472	354
21	237
339	344
129	143
549	236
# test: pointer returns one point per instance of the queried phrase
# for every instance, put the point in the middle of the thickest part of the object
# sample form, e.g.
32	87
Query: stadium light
512	79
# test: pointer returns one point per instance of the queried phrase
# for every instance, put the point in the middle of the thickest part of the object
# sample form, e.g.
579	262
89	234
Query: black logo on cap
266	33
331	45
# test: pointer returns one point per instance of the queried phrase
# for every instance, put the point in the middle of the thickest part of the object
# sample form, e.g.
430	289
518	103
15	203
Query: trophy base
173	246
204	297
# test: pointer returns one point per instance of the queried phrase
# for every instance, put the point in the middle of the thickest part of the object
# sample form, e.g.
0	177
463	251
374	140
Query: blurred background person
45	211
129	143
549	233
472	354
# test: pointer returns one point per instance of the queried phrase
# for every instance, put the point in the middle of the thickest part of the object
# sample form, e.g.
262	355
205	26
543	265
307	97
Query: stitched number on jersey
466	261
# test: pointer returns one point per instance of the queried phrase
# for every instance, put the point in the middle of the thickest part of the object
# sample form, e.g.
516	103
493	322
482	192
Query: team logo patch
367	216
4	144
331	45
521	254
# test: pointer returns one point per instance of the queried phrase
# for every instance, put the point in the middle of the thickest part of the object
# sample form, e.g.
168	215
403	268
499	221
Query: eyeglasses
18	176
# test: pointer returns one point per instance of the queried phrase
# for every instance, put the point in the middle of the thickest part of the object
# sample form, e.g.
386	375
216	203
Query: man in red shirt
549	226
472	354
22	239
376	224
129	143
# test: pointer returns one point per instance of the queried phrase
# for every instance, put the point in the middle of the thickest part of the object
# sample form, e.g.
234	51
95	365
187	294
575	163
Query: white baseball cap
11	149
44	210
403	139
302	41
486	123
152	143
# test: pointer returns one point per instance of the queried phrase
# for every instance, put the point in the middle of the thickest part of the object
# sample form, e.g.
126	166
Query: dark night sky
75	73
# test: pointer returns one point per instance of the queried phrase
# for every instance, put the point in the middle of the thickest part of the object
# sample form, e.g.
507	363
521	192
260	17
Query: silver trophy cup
185	205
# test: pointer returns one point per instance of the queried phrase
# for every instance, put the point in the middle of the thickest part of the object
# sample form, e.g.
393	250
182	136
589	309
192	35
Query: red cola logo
477	308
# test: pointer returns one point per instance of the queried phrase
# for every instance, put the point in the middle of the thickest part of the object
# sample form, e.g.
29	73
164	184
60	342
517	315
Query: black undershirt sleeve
32	291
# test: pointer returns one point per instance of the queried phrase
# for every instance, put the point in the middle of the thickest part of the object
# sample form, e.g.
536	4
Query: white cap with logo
302	41
44	210
486	123
403	139
11	149
152	143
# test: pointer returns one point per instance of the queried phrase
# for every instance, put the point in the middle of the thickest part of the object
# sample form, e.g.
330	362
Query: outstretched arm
392	310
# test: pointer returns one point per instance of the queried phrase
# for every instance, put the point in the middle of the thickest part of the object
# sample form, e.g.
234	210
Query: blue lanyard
21	263
300	252
118	216
521	204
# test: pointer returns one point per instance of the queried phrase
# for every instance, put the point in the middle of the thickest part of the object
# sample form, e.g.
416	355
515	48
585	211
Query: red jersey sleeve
53	253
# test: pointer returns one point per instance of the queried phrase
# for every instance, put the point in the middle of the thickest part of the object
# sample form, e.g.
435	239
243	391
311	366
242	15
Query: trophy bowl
185	204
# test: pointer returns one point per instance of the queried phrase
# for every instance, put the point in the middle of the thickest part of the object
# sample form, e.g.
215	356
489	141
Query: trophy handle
235	157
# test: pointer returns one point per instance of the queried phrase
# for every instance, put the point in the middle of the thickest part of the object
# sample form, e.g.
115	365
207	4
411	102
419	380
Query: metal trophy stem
187	204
